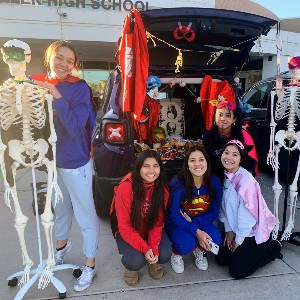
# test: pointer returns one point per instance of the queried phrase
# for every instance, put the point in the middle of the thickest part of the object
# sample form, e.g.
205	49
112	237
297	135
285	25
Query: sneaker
156	271
59	255
85	280
131	278
200	259
177	263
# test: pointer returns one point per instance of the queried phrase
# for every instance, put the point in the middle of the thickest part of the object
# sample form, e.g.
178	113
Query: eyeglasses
229	105
236	142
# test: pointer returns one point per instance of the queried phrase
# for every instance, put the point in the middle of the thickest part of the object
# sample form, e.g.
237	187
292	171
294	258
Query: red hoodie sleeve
123	202
154	235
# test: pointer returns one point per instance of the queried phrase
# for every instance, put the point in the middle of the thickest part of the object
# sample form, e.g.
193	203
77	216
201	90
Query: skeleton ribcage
283	104
32	103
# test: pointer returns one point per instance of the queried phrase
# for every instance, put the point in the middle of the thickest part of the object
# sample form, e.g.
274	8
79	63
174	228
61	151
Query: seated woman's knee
135	263
237	272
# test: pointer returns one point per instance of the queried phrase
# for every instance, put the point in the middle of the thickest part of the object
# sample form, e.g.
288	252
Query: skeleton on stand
287	105
22	113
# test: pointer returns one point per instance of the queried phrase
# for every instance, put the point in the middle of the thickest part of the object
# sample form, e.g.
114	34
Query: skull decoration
16	54
171	128
184	32
158	135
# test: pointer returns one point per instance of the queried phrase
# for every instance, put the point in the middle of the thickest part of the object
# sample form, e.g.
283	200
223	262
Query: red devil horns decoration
184	32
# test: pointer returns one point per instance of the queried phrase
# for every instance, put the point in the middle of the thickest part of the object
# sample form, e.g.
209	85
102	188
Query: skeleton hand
271	160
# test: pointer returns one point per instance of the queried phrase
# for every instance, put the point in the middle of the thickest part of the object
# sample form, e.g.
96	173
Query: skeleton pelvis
28	156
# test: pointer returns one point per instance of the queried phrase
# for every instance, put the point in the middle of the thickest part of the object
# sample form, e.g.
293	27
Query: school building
94	27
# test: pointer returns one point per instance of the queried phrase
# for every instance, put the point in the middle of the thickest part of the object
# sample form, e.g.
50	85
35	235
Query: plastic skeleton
288	105
22	103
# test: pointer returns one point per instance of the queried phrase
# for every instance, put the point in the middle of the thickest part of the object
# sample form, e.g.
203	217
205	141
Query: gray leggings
134	260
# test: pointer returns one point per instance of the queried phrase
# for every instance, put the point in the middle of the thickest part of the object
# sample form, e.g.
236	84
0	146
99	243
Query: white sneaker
177	263
200	259
85	280
59	255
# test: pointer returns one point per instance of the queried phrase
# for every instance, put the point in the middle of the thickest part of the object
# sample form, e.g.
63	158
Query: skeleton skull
16	54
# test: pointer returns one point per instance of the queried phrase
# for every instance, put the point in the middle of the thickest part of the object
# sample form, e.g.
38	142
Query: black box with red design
193	53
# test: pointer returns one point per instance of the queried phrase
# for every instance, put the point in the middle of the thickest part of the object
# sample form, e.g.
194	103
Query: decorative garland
214	54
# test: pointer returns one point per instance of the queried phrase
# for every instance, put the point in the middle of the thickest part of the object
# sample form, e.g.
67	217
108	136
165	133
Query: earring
233	123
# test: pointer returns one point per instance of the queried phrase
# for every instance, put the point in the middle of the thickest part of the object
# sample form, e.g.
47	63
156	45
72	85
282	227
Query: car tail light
246	125
114	132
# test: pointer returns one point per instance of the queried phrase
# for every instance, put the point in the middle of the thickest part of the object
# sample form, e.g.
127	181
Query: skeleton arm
8	190
52	140
271	156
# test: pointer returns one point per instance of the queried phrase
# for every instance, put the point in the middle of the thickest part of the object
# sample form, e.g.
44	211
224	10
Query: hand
51	87
203	239
229	238
185	215
150	257
234	245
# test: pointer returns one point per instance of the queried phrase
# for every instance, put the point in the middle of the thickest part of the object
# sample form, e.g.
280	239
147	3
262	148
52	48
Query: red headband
229	105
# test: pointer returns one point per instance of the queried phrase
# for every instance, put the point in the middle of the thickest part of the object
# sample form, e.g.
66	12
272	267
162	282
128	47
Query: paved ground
280	279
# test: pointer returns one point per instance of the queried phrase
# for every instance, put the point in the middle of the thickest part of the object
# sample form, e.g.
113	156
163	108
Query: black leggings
246	258
134	260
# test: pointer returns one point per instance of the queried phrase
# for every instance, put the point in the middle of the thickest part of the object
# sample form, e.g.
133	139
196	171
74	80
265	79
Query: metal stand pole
37	273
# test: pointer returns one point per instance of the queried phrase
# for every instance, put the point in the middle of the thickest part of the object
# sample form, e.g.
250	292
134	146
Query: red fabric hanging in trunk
134	63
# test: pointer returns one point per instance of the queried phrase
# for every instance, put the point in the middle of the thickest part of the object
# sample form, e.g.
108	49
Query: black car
257	119
219	46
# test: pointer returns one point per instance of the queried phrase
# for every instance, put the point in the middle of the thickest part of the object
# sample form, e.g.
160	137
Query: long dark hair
186	176
236	129
138	187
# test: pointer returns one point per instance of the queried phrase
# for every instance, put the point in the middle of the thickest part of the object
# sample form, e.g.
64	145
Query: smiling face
224	119
62	62
150	170
231	158
197	164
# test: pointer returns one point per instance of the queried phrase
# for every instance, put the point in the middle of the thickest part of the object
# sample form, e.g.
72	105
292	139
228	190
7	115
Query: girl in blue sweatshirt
72	112
195	204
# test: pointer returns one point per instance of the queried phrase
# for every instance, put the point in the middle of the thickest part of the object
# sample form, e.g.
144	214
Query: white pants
76	187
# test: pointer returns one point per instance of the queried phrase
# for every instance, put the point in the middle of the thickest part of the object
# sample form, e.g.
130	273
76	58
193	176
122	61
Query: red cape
46	78
134	63
248	141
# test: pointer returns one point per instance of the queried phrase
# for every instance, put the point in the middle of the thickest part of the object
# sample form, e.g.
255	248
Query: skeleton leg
293	192
47	222
277	188
20	224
